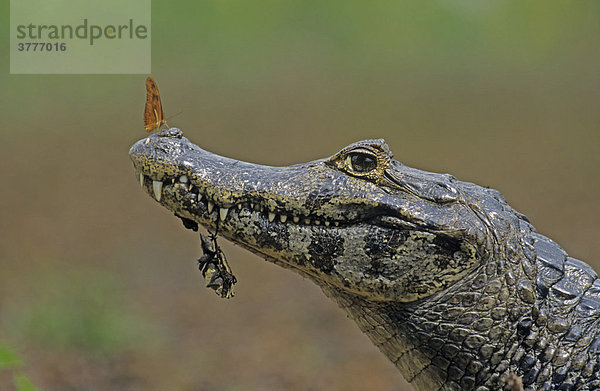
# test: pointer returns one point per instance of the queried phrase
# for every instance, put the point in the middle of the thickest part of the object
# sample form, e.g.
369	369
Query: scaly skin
453	285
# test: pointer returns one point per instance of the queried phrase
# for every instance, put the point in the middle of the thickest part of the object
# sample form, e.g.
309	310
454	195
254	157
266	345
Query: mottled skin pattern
453	285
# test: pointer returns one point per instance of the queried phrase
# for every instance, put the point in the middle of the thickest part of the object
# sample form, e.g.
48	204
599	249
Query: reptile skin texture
453	285
469	337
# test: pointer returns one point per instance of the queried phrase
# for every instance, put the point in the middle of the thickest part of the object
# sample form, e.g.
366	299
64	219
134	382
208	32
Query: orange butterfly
154	117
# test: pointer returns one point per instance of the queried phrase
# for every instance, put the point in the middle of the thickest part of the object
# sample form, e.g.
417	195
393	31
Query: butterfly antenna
174	115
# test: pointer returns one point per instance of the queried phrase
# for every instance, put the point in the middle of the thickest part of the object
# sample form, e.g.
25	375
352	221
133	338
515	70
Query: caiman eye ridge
196	195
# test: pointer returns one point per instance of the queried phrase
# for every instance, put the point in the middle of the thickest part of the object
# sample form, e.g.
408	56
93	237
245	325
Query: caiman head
358	222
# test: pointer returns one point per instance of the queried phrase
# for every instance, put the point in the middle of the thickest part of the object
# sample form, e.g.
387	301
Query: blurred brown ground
98	285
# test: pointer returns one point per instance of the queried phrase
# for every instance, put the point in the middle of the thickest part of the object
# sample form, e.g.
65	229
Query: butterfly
154	116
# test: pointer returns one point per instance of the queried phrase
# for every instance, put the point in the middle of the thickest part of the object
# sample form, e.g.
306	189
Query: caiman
453	285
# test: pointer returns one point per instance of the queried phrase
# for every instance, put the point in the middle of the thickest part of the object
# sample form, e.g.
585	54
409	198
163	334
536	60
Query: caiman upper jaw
175	171
205	187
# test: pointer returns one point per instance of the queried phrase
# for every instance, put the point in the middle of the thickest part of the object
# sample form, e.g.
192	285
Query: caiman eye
360	162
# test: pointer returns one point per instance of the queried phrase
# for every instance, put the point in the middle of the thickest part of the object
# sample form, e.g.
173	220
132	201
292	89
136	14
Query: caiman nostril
173	132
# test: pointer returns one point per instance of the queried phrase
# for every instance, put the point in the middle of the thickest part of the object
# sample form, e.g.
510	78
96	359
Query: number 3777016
41	46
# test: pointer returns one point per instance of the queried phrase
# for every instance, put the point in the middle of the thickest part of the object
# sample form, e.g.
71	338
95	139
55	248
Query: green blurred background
98	285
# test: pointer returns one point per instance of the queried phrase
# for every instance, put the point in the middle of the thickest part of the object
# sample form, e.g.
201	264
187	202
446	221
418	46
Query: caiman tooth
296	219
317	222
239	206
141	179
327	223
210	206
336	223
307	221
157	187
223	213
271	216
283	218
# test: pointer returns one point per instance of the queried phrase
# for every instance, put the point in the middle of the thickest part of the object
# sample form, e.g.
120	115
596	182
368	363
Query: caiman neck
456	340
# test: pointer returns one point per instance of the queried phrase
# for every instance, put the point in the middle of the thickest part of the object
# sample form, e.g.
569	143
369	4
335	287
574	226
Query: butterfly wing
154	116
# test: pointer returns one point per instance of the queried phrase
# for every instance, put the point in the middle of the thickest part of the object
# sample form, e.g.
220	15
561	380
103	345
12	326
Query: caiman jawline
205	204
196	195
